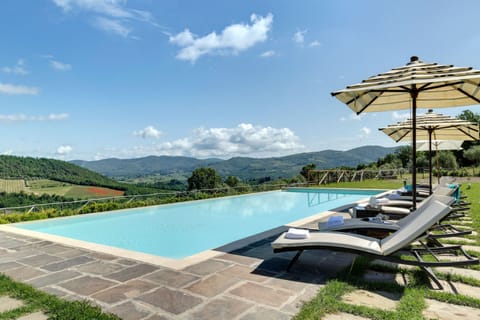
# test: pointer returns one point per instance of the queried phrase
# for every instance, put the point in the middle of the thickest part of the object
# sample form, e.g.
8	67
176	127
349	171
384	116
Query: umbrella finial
414	59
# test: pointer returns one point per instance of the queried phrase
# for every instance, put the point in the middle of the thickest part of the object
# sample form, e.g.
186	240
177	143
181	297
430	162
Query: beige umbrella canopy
439	145
433	126
415	85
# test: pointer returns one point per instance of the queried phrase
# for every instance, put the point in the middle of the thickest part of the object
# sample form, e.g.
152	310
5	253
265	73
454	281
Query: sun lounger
384	249
378	227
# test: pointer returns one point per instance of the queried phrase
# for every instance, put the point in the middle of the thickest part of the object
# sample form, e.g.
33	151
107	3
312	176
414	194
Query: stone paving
250	283
247	284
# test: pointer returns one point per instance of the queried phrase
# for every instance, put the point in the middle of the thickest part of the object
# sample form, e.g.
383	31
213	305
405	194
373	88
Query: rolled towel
382	201
334	221
294	233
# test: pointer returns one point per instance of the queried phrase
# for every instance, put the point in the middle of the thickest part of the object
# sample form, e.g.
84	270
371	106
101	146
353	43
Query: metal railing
79	205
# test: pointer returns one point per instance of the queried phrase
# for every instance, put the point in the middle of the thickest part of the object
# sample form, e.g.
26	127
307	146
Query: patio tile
294	306
220	309
124	291
132	272
99	268
445	311
379	299
157	317
208	267
102	256
53	278
129	311
261	294
72	253
54	249
171	278
246	273
9	265
343	316
57	266
87	285
260	313
212	285
34	316
7	303
126	262
23	273
55	291
173	301
39	260
240	259
11	243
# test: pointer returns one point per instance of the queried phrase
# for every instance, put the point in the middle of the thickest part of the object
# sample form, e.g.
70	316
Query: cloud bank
232	40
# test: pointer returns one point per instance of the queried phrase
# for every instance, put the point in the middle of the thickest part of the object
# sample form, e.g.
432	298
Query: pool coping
176	264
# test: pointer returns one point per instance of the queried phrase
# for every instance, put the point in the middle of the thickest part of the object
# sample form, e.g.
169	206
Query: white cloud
23	117
366	131
299	36
12	89
400	116
242	140
268	54
112	26
18	69
232	40
109	15
64	150
315	43
353	117
148	132
60	66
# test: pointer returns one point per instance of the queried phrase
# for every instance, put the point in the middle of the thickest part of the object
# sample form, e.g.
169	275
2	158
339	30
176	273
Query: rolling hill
242	167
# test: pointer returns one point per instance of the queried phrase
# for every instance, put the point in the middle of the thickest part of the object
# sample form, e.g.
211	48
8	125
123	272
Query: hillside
242	167
27	167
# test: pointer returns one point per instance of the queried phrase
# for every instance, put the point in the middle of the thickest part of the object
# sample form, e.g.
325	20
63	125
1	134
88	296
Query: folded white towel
334	221
294	233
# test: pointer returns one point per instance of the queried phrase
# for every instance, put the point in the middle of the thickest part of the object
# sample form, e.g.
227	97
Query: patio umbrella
415	85
433	125
439	145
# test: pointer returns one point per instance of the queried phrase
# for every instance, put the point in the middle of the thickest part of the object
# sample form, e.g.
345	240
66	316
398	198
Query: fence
159	197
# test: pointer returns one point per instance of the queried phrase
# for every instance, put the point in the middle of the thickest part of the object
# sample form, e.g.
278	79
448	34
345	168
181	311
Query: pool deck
248	283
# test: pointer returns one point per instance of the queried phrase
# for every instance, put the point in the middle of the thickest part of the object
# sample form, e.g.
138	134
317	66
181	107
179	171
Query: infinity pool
183	229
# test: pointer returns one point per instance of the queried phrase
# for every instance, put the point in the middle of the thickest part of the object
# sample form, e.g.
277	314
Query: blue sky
93	79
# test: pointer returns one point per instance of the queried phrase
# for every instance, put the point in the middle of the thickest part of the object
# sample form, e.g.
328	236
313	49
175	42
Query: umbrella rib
468	134
468	95
426	86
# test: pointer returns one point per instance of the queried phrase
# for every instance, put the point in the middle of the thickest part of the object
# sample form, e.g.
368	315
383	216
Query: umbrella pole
430	159
414	94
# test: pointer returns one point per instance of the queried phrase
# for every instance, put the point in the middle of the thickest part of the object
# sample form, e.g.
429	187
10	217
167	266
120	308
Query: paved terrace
249	283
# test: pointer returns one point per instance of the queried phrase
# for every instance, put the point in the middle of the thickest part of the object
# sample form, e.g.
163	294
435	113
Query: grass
412	302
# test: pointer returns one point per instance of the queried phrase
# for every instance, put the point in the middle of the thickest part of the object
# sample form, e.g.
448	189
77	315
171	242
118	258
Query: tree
305	170
204	178
405	155
473	154
446	160
232	181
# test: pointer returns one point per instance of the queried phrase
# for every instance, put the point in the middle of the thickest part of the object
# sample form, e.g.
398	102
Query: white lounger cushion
333	240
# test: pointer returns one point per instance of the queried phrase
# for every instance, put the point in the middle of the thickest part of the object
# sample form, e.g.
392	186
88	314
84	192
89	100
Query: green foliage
24	199
232	181
445	159
306	169
204	178
473	154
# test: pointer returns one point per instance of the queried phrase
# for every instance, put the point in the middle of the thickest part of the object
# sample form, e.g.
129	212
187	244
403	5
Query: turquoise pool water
183	229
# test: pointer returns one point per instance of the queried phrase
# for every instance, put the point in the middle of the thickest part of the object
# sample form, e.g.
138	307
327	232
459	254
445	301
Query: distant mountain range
242	167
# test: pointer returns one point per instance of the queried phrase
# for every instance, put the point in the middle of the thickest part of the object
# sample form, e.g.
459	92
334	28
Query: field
13	185
51	187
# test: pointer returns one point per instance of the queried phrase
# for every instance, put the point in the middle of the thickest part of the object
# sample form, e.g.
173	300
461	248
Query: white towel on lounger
294	233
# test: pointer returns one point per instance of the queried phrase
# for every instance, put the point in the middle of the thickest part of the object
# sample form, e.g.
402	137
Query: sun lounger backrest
444	191
423	219
404	221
